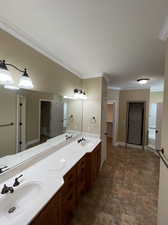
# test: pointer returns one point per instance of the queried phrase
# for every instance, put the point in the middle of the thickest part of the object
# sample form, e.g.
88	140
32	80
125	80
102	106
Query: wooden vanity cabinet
68	200
93	161
81	178
77	181
51	213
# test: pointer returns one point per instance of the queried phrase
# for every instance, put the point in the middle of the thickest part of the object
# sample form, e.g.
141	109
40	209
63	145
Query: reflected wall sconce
71	117
6	78
93	119
79	94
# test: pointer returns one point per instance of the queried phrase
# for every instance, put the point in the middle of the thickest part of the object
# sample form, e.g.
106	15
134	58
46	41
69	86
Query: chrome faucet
16	183
6	189
2	169
81	140
67	137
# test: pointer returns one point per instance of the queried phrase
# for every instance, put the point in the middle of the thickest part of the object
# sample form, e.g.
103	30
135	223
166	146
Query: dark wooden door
135	123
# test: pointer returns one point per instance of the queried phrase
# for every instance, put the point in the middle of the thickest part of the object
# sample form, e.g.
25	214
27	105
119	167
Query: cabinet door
69	195
68	206
98	157
93	161
81	178
50	215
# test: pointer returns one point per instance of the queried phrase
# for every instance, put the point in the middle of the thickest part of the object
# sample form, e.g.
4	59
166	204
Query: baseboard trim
32	142
123	144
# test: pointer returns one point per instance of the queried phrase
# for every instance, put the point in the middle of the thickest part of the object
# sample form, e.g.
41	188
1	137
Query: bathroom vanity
47	162
77	181
52	184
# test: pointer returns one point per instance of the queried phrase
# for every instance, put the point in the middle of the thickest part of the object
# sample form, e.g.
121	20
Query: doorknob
156	131
105	133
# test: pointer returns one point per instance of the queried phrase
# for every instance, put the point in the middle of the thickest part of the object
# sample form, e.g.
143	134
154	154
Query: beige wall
110	116
95	105
125	97
74	117
113	94
92	106
103	120
113	97
33	112
8	114
46	74
163	183
156	97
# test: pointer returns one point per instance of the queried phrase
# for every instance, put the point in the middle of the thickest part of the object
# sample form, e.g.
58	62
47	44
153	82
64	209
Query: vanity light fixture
25	81
6	77
11	86
143	81
79	94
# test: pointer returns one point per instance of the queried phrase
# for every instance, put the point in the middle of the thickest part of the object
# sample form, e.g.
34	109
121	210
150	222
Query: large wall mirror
29	118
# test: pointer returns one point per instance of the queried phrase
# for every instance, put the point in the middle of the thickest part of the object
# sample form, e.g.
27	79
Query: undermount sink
17	203
58	164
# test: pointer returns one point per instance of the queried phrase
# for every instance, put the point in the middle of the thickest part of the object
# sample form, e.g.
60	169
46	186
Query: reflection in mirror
29	118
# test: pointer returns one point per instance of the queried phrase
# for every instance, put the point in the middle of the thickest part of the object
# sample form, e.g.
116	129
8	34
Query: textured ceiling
93	37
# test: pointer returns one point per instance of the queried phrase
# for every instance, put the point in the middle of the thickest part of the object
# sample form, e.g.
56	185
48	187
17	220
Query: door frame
144	124
21	133
116	118
41	100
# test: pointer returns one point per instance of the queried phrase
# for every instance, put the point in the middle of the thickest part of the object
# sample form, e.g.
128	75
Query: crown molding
164	31
92	76
114	88
27	39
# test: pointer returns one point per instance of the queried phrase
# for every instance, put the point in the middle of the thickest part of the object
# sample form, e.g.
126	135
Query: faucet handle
16	183
2	169
4	189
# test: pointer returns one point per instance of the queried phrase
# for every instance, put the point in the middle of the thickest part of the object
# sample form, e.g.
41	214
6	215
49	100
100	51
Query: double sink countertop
41	180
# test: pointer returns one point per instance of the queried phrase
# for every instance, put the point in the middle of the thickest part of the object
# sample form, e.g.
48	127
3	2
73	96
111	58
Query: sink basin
58	164
16	204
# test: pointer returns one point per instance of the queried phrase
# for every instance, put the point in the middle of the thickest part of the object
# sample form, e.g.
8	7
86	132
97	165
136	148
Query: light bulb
12	87
25	82
5	77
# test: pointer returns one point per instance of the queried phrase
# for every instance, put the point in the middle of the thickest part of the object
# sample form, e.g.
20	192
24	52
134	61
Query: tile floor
125	192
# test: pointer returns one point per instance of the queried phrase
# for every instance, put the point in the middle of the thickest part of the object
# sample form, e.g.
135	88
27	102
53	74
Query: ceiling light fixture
6	77
143	81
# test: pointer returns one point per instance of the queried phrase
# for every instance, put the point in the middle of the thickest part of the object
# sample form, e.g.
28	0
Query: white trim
21	99
129	145
114	88
116	119
32	142
128	89
163	36
27	39
17	122
92	76
41	100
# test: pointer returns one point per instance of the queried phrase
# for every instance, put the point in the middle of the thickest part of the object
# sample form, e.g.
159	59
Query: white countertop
48	172
15	159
